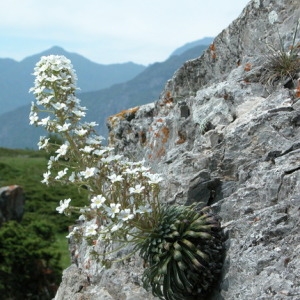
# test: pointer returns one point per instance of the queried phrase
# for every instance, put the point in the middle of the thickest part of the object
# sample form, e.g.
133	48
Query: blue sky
111	31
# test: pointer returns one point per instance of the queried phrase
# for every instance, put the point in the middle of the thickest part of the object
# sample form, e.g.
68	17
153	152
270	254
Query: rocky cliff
223	135
12	201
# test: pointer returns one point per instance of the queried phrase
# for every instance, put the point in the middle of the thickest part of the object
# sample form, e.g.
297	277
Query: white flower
37	89
144	209
116	227
100	152
46	177
125	214
62	150
103	233
273	17
137	189
52	78
108	159
89	172
97	201
91	141
72	177
115	178
46	100
91	124
80	132
130	171
91	230
65	127
50	162
32	107
44	121
72	232
87	149
95	140
33	117
59	105
81	218
154	178
64	204
143	169
113	209
43	142
79	113
116	157
61	174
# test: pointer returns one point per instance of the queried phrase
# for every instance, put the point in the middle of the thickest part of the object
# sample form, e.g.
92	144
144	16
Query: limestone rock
12	201
221	137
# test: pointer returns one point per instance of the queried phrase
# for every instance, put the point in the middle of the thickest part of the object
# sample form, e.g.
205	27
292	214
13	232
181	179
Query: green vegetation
29	261
26	168
183	254
37	247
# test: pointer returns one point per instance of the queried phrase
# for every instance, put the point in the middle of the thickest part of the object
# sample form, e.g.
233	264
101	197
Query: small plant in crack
204	126
280	63
183	254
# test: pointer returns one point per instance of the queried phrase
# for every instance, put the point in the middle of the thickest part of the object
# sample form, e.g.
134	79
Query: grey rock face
222	138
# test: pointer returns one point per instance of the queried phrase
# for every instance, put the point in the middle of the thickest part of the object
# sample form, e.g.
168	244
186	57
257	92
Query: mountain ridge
92	76
146	87
185	47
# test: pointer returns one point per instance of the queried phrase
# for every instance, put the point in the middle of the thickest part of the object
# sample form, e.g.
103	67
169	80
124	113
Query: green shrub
29	264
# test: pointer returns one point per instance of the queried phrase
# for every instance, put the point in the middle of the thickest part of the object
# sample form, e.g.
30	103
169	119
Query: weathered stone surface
87	280
222	138
12	201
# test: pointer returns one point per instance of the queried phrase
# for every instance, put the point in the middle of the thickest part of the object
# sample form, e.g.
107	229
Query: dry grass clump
282	64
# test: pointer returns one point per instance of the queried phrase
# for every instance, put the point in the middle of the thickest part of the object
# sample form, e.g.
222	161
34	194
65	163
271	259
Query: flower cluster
180	243
123	195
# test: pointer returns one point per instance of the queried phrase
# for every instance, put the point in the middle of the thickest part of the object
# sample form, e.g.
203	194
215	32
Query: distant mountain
144	88
16	78
15	131
204	41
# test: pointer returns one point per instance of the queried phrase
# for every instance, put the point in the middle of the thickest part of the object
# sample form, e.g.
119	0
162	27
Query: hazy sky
111	31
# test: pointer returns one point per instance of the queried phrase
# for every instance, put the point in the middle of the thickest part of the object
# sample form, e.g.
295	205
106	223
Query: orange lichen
156	134
247	67
126	112
161	151
165	130
143	137
297	90
212	49
181	138
168	99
